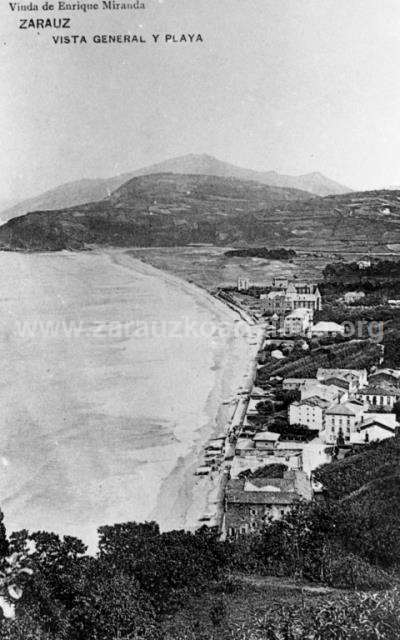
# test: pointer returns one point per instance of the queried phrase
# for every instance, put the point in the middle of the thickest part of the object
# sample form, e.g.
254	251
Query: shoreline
195	496
107	453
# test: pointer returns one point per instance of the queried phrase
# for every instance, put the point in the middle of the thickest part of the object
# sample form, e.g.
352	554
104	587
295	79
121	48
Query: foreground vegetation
177	585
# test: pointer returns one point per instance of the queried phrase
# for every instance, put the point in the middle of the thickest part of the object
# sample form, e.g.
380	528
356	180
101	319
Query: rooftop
380	389
299	313
268	436
394	373
328	327
261	497
313	401
376	423
345	409
299	380
341	373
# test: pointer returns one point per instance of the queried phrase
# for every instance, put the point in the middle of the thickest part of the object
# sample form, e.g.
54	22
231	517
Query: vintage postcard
200	320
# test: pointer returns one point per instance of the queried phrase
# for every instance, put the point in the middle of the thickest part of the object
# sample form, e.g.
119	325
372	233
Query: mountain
157	209
82	191
314	183
170	209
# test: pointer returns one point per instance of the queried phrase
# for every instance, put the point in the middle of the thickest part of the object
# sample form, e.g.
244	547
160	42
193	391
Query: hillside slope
158	209
175	210
84	191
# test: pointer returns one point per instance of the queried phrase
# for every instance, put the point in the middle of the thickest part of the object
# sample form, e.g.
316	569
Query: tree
265	408
57	566
111	606
167	566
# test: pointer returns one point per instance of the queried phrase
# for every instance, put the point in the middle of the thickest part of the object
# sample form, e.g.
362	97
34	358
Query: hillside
84	191
341	222
175	210
159	209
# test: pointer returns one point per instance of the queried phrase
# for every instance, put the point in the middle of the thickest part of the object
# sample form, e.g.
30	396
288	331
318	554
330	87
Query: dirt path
264	582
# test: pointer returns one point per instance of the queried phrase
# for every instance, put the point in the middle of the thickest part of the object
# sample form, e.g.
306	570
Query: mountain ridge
170	209
77	192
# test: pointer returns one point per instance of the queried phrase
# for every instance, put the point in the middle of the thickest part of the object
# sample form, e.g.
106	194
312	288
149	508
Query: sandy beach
101	425
184	497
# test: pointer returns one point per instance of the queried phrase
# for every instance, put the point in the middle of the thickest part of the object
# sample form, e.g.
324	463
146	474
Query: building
280	282
353	296
288	296
293	384
388	419
243	446
342	419
364	264
309	412
359	376
385	376
371	431
327	330
243	284
250	503
265	440
383	396
275	302
297	323
304	296
331	393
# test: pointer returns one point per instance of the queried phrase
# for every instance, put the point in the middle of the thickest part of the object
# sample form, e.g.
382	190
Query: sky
289	85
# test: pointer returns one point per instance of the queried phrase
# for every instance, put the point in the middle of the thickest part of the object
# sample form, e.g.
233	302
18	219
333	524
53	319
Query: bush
348	571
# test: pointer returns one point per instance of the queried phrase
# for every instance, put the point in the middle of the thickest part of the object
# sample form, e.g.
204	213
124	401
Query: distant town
300	413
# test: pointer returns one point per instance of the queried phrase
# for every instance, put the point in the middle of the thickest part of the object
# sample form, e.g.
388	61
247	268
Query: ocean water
112	378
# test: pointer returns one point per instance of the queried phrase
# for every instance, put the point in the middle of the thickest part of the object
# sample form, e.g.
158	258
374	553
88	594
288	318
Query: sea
114	374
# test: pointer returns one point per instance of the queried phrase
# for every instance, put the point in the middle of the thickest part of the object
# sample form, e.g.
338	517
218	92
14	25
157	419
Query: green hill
159	209
170	209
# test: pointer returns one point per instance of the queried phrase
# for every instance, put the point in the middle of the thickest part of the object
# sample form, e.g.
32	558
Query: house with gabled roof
382	396
342	419
372	431
351	375
385	376
251	502
309	412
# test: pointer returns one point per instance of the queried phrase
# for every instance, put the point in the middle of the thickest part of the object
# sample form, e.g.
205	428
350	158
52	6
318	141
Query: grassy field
208	267
245	613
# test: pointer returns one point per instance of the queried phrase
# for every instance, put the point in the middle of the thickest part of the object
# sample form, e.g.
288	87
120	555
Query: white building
327	330
297	323
383	396
343	418
289	296
371	431
309	412
388	419
266	440
243	284
353	296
